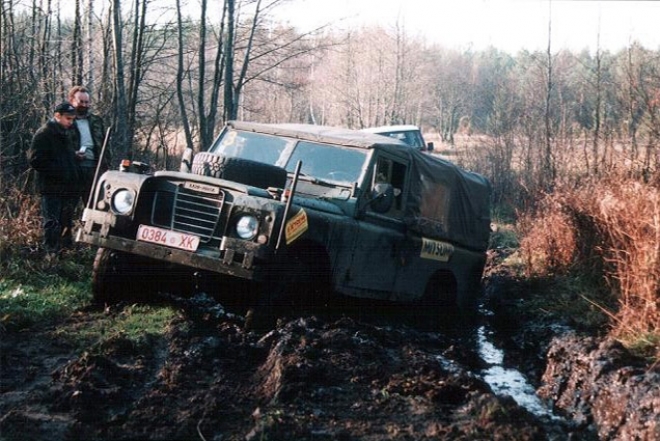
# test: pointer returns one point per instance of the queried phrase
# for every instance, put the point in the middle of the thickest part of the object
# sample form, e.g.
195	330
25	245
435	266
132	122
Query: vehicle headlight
122	201
247	227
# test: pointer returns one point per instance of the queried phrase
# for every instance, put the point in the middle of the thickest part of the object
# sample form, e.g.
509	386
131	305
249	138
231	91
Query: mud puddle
505	380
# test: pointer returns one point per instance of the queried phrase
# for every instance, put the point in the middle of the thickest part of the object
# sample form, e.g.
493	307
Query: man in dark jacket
58	176
88	138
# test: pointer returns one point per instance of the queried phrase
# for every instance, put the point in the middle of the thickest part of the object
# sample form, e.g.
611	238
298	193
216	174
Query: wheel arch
314	253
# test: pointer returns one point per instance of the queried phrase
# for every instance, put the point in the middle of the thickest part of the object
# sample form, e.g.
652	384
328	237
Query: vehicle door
381	235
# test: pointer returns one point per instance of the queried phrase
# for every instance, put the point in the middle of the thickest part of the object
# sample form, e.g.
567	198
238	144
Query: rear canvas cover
447	202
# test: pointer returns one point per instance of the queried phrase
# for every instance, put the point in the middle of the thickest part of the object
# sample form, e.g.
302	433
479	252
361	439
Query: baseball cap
65	107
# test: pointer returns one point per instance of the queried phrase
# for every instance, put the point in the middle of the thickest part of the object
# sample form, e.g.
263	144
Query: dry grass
598	227
608	228
20	221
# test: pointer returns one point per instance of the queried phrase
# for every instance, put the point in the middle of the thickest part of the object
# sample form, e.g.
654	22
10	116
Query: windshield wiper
316	181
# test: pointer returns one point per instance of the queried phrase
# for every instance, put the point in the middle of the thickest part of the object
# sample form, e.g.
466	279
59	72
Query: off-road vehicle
293	208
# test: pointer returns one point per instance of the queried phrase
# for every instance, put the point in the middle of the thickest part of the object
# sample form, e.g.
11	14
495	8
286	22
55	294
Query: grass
503	236
61	300
134	323
39	293
26	305
598	244
575	301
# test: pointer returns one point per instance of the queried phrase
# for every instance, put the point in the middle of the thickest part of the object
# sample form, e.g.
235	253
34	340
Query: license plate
168	238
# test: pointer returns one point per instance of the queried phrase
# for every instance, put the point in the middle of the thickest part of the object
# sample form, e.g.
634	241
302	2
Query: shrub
20	221
608	228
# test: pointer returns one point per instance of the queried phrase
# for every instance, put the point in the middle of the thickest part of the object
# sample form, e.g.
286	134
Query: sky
509	25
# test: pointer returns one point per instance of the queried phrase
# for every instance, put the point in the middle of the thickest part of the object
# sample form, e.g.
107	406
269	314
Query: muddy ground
354	373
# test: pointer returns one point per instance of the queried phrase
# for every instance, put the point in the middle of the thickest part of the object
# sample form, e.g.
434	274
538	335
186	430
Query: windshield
252	146
326	162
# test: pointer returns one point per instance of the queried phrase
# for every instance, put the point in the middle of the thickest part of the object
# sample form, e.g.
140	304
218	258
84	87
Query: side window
389	171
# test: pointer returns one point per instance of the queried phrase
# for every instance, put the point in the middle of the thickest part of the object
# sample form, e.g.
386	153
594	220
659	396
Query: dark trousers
57	213
88	181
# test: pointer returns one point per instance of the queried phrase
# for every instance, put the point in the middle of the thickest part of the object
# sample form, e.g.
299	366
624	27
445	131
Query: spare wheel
244	171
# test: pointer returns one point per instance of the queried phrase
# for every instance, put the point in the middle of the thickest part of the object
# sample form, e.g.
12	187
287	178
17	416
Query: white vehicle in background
409	134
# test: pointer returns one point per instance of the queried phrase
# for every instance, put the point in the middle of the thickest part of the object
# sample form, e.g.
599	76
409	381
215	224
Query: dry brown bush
548	244
608	226
630	215
20	221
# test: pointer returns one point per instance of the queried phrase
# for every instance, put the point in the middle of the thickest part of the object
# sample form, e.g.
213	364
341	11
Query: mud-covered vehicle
298	211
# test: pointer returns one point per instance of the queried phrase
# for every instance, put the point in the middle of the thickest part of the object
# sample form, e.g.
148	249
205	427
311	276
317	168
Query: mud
600	385
358	373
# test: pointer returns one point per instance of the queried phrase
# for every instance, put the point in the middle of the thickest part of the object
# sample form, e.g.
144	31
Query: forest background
568	140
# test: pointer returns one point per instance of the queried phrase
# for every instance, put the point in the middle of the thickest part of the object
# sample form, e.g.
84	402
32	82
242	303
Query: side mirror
430	146
382	198
186	161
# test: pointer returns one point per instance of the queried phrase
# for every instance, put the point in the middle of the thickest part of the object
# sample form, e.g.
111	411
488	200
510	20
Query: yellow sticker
436	250
296	226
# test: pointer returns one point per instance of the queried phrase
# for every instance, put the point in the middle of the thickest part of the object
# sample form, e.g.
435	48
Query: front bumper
232	259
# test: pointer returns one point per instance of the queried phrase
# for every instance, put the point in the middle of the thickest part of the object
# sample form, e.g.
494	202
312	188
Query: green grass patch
134	323
40	292
576	300
25	305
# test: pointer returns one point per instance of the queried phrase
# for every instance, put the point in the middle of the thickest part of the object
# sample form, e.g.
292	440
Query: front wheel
119	276
111	278
299	284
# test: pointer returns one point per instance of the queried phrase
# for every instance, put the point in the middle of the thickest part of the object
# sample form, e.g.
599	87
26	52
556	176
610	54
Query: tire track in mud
360	374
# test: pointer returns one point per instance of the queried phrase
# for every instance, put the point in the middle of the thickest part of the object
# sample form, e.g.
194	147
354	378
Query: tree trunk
230	111
548	175
122	141
90	46
136	63
179	79
201	86
77	46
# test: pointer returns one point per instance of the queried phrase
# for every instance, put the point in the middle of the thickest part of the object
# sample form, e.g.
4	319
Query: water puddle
508	381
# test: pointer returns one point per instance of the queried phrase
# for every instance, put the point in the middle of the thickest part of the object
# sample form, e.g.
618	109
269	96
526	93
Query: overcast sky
508	25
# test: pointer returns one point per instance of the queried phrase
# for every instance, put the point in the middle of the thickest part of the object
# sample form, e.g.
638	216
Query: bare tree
90	43
207	118
549	173
122	140
179	79
231	106
136	64
598	107
77	45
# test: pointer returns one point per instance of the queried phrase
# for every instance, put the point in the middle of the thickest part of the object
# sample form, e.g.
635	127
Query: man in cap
88	137
58	176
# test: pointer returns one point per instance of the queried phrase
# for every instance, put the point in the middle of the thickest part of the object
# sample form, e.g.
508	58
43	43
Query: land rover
293	207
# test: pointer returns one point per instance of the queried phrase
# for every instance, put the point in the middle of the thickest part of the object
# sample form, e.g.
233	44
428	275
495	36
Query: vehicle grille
187	211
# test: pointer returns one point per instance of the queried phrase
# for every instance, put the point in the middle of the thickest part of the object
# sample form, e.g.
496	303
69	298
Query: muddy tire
111	279
244	171
118	276
299	283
